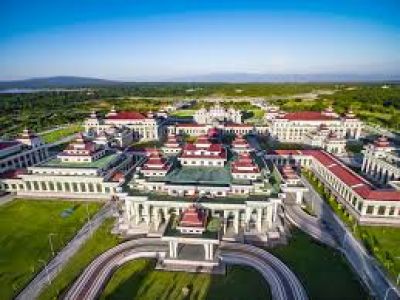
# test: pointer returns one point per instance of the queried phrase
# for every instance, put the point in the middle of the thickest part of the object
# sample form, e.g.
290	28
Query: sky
159	40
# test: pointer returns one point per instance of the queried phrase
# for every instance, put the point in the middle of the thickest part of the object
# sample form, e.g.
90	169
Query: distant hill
55	82
79	82
289	78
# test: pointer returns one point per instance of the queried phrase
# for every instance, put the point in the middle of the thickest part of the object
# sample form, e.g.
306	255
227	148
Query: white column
206	252
269	216
236	221
211	253
147	213
171	249
137	213
175	249
259	216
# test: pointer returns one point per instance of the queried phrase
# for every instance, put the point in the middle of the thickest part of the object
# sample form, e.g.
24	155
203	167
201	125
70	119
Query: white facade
294	127
366	203
143	127
27	150
66	176
381	162
217	114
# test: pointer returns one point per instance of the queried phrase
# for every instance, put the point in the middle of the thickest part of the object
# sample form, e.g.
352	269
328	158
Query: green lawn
101	240
383	243
137	280
323	271
54	136
183	113
24	229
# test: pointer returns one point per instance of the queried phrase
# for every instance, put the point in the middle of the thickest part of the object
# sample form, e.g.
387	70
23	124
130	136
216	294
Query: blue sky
155	40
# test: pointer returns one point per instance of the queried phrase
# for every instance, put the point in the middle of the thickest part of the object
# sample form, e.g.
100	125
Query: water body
31	91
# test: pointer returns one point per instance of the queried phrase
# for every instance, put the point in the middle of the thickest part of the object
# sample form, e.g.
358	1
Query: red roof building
240	145
245	168
192	217
156	165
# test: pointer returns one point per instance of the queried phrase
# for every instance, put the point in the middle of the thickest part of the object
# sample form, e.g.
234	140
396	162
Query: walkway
309	224
283	283
58	262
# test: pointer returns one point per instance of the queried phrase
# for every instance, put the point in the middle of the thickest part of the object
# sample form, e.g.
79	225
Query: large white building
381	161
239	192
217	114
365	202
294	126
143	127
83	170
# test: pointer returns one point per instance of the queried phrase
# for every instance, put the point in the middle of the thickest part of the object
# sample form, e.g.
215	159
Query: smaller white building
217	114
381	161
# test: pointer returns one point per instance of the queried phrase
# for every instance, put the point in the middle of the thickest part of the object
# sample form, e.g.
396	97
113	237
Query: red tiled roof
192	218
118	176
127	115
359	184
306	116
384	195
285	152
253	171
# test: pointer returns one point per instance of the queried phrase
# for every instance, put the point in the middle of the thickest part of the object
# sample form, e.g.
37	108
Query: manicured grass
137	280
101	240
58	134
146	144
323	271
184	113
383	243
25	226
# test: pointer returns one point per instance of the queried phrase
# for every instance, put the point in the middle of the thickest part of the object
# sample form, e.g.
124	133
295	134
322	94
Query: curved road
283	283
309	224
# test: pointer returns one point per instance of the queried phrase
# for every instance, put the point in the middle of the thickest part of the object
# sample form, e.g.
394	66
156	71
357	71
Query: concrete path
283	283
58	262
309	224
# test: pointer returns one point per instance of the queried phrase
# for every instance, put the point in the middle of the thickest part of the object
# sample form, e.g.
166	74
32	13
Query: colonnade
379	170
258	218
174	247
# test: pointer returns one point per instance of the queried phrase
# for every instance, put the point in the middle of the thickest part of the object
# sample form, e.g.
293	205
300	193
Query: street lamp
51	243
88	217
47	270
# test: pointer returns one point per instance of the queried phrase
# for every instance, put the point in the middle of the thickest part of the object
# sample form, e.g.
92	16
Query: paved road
283	283
365	265
309	224
90	283
55	265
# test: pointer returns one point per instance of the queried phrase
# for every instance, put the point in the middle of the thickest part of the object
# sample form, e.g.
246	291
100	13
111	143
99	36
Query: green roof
199	175
97	164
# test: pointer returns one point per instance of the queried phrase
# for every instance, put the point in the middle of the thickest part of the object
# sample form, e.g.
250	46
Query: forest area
47	109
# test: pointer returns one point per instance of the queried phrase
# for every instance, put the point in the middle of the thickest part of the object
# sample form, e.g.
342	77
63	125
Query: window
381	210
391	211
370	209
